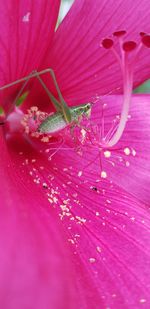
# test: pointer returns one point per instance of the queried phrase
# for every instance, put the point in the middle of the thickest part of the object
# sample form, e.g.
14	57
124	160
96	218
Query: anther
32	120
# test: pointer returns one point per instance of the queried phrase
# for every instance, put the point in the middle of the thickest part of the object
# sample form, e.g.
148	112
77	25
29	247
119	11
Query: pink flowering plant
74	210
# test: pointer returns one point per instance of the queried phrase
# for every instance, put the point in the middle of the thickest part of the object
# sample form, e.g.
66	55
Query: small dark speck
94	188
45	186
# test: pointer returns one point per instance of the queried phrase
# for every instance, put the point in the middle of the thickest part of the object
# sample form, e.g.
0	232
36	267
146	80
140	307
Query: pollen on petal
103	174
107	154
127	151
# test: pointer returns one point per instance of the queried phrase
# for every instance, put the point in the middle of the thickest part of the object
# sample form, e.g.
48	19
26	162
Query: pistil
127	68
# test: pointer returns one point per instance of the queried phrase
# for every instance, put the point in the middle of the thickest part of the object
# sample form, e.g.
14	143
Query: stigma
129	52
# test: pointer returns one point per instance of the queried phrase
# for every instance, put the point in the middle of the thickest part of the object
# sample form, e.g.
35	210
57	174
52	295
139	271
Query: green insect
64	114
56	121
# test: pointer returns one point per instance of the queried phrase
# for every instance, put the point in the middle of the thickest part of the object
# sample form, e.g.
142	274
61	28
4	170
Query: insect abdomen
52	124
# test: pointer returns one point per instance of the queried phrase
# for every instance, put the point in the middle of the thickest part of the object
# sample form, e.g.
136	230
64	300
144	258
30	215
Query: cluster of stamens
127	65
31	121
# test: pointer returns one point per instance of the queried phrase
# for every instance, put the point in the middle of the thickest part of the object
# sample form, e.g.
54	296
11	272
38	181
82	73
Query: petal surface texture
75	223
27	28
83	67
127	163
108	232
34	267
104	217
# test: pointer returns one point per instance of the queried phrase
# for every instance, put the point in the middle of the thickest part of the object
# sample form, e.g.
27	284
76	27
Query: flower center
129	52
32	120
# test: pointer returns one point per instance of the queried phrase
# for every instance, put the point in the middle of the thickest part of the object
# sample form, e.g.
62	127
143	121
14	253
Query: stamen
32	120
127	66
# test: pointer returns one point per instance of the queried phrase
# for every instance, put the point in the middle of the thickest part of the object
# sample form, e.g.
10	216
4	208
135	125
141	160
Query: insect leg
60	106
77	123
26	79
64	106
55	102
18	95
56	149
31	75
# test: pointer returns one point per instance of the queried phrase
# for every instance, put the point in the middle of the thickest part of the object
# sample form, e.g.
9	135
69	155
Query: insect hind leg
64	107
25	80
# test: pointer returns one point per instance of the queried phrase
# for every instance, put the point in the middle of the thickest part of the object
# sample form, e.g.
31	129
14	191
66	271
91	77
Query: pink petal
107	229
128	165
34	268
80	63
27	28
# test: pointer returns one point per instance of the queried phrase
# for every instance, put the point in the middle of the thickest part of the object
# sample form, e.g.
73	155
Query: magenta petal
27	28
107	229
128	165
85	69
34	266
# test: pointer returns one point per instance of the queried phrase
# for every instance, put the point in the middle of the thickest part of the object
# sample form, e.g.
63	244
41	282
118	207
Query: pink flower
74	229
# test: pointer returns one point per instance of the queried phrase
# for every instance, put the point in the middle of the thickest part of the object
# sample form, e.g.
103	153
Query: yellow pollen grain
142	300
103	174
80	220
33	109
92	260
66	201
71	241
79	173
45	139
127	151
107	154
83	133
133	152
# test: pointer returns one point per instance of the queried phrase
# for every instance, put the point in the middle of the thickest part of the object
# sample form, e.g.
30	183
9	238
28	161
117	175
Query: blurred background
65	6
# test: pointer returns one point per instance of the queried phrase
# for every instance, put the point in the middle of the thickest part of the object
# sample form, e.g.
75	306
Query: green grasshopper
64	114
56	121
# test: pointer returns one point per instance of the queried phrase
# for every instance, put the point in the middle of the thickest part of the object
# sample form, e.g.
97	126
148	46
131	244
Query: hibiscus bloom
75	225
